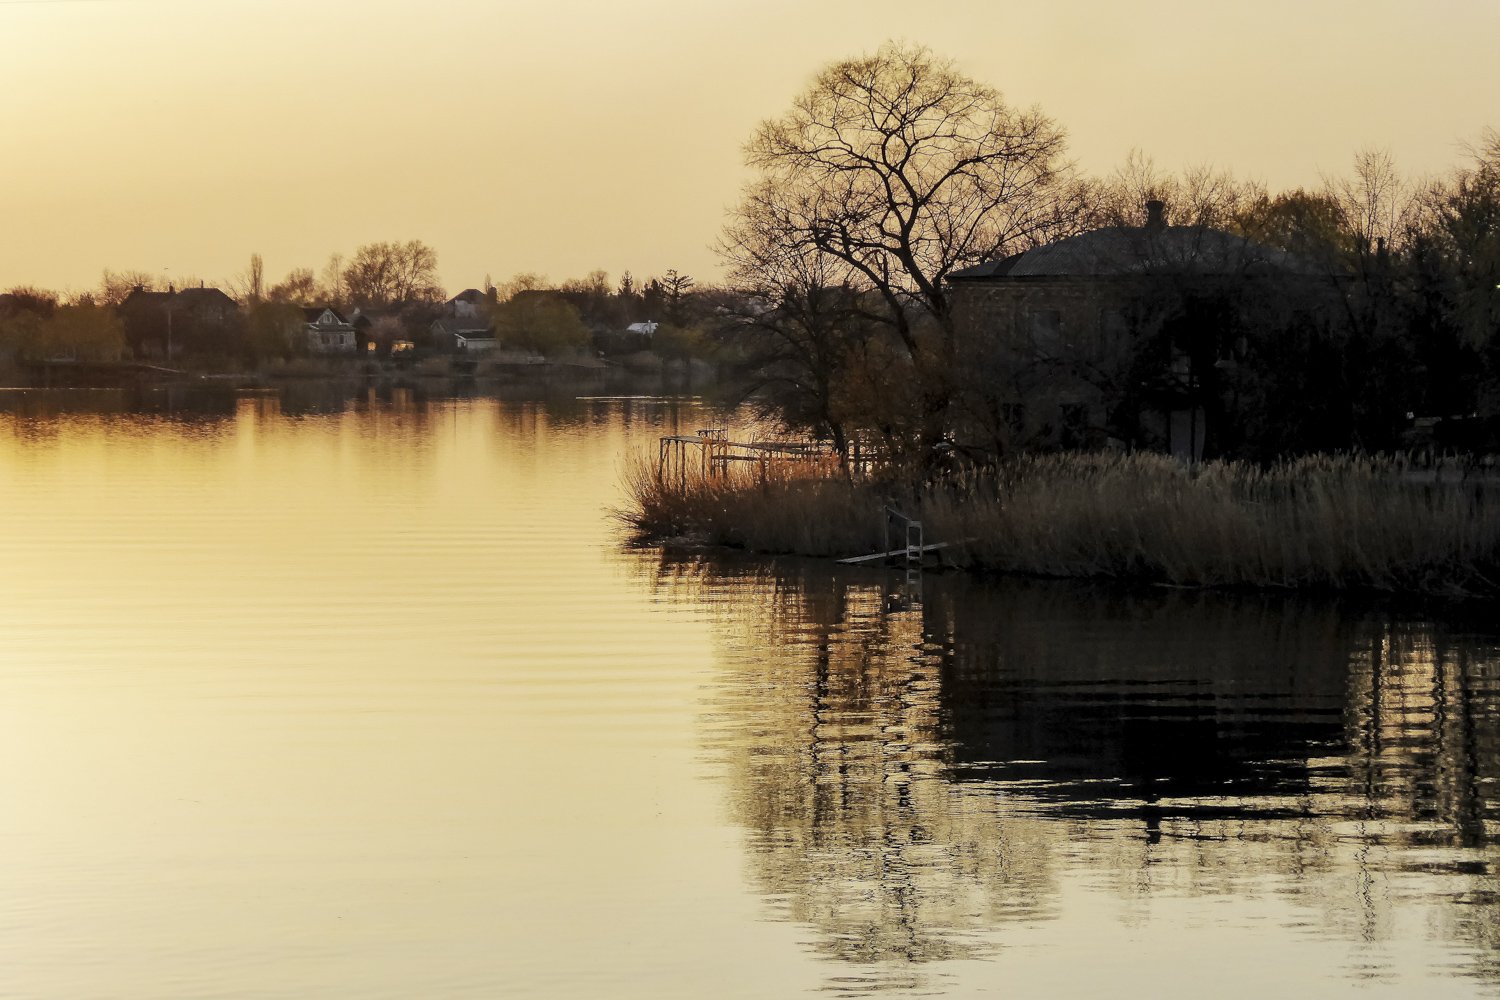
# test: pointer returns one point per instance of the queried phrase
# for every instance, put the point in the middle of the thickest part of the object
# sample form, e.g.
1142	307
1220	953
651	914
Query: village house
472	335
328	331
1126	334
168	324
470	303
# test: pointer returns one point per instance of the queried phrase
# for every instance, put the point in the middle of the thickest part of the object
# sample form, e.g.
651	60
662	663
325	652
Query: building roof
141	297
313	312
202	297
469	327
472	295
1118	251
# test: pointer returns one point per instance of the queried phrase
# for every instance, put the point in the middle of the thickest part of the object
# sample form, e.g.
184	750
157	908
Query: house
1128	334
470	303
328	331
167	324
469	335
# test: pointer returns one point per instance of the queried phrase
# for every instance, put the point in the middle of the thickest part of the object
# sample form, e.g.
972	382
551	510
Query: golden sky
570	135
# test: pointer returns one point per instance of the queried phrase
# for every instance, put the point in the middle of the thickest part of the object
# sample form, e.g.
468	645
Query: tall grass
1333	523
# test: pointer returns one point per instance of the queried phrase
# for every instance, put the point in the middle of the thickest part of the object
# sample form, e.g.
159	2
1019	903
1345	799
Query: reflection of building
911	782
1186	706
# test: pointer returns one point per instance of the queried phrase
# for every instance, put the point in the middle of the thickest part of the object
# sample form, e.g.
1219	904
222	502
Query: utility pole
170	293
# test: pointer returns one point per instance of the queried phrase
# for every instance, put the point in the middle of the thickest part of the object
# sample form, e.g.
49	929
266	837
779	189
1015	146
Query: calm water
362	697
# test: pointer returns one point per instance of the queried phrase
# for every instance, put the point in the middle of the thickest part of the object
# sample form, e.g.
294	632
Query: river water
361	695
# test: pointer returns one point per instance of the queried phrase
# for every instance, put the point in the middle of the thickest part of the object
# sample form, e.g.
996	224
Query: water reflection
913	782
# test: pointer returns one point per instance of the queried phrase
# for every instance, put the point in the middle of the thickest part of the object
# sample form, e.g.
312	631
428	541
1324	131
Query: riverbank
501	366
1324	523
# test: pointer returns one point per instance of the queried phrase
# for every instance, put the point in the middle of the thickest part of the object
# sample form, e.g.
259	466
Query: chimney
1156	218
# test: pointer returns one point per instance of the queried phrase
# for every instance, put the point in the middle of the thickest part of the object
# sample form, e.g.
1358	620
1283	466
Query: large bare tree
382	274
901	169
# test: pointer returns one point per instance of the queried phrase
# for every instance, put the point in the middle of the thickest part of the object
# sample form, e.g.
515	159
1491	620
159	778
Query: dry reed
1329	523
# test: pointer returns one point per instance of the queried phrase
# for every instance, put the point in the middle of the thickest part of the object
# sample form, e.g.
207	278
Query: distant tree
331	282
383	274
1200	196
82	332
299	287
542	322
28	299
1377	206
1308	224
653	299
249	286
679	343
115	286
21	333
1464	232
273	329
594	299
526	281
257	279
675	289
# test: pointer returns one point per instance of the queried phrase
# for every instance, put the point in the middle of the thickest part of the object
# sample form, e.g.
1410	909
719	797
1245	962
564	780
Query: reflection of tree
830	743
911	782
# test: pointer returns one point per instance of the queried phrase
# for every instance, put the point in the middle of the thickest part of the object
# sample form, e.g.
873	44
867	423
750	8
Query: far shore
500	366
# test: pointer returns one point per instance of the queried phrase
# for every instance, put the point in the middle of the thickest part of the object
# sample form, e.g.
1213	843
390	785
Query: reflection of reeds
1336	523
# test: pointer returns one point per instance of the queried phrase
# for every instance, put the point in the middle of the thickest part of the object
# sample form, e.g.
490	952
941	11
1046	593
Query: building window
1112	324
1045	327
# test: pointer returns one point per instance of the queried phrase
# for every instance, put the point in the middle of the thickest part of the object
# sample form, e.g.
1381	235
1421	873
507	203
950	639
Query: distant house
470	303
166	324
328	331
1130	333
364	327
646	329
469	335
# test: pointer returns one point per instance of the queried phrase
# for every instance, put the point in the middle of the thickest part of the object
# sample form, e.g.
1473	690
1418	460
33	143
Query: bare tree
902	169
527	281
299	287
382	274
115	286
332	278
1199	196
1376	203
250	284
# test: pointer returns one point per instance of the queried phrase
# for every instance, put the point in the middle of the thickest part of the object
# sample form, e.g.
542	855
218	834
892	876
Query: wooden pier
710	451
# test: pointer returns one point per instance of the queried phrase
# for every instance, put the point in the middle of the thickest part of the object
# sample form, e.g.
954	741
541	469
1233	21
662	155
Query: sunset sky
184	135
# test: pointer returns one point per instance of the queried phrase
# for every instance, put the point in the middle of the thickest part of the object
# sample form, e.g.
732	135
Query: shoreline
1326	525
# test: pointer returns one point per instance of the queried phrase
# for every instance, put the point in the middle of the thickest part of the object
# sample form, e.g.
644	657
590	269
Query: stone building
1125	335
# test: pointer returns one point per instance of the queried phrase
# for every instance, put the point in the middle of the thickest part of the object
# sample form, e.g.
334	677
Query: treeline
390	291
893	171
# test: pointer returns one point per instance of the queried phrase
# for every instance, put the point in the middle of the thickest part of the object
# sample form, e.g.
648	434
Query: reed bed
1323	523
